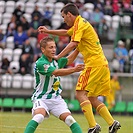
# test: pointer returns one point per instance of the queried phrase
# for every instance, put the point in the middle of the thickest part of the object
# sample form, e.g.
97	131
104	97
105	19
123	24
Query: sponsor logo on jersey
56	85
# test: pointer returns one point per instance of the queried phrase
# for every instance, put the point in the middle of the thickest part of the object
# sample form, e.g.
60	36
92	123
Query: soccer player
94	80
115	85
46	96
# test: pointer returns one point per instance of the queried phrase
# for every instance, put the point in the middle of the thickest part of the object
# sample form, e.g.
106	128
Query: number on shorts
37	104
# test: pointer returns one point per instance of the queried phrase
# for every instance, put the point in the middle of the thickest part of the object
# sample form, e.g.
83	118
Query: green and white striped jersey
47	86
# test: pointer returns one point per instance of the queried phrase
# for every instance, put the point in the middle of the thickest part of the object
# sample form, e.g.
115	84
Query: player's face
50	50
67	18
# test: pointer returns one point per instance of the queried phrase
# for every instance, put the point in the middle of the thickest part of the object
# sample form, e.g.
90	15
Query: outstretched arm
61	32
71	57
70	47
67	71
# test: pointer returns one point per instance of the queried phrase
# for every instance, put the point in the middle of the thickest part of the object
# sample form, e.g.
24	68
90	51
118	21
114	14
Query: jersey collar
43	56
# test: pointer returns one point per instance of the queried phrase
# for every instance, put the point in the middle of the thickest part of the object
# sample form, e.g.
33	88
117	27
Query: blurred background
19	47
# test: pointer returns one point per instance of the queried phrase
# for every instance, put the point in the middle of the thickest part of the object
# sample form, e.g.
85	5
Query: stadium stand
0	18
0	102
120	107
129	108
89	6
27	81
18	104
108	20
58	7
16	54
41	6
73	105
29	7
22	3
1	51
8	53
6	17
15	104
14	66
28	104
50	5
7	103
3	27
10	42
10	5
56	21
2	6
115	21
6	81
17	81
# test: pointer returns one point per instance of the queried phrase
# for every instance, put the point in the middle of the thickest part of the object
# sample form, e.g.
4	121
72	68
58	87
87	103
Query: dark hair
44	41
70	7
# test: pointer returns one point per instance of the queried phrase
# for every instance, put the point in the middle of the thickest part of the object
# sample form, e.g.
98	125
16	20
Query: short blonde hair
44	41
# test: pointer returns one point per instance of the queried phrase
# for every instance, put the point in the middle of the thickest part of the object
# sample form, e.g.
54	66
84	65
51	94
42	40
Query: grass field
15	122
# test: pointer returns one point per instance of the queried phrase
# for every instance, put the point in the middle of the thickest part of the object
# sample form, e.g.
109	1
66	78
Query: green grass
15	122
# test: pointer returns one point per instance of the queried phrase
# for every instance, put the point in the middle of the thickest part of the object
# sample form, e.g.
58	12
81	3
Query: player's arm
60	32
71	57
67	71
70	47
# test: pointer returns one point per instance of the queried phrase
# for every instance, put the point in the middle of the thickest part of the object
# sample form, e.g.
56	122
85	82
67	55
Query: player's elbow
70	61
74	44
56	73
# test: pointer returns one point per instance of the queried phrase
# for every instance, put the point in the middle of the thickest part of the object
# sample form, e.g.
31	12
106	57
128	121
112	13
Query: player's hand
42	29
56	57
79	67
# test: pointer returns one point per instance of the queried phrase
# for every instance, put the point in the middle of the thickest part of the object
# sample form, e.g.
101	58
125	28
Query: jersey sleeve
78	30
45	69
70	31
62	62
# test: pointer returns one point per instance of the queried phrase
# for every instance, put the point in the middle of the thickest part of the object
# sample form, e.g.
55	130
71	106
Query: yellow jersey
88	43
114	87
110	99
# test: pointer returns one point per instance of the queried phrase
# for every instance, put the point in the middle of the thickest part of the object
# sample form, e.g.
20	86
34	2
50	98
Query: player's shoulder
62	59
41	61
83	22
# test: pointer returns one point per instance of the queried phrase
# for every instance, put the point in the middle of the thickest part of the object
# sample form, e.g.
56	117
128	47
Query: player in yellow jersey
94	80
115	85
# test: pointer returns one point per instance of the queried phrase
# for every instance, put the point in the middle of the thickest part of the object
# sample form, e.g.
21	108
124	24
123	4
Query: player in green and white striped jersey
46	96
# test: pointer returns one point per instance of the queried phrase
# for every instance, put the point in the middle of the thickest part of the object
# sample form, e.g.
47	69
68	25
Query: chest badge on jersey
46	66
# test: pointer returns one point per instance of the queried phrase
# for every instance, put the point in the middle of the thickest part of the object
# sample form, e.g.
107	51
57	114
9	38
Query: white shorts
56	106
